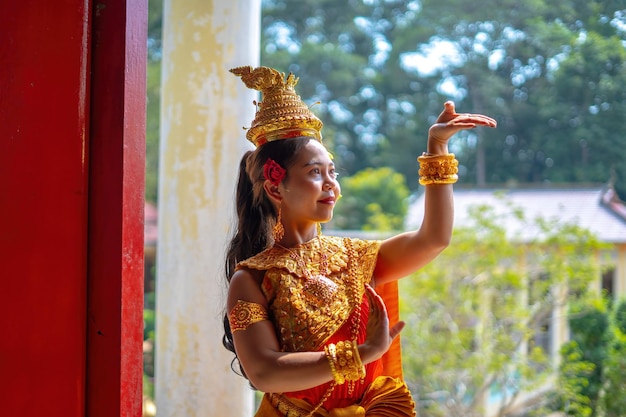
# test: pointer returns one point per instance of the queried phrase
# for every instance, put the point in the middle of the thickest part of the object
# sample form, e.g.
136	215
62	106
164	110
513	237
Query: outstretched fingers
472	120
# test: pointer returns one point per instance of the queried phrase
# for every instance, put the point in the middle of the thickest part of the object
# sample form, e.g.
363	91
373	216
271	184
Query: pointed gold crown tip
280	114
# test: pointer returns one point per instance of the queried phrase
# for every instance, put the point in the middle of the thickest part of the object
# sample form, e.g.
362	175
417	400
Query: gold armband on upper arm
244	314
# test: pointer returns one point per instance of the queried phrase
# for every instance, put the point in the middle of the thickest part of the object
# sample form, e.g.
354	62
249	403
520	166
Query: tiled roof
595	209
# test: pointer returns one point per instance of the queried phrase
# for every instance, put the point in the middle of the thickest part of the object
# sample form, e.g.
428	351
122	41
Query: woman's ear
273	192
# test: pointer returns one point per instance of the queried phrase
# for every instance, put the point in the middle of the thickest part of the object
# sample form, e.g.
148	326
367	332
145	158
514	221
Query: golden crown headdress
281	114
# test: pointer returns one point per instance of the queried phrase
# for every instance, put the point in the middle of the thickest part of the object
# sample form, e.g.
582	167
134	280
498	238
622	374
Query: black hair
256	215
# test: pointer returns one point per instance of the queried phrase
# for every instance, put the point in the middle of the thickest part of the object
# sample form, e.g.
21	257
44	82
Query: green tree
341	52
549	71
589	102
153	92
155	29
573	380
152	129
153	97
591	375
475	315
613	395
155	19
580	377
375	199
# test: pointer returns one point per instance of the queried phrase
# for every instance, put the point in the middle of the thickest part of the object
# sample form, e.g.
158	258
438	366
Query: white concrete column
559	327
524	296
595	285
204	108
620	272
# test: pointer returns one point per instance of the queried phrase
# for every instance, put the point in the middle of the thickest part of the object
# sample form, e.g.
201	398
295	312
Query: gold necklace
323	268
319	286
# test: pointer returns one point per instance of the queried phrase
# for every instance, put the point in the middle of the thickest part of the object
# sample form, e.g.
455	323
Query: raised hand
379	335
450	122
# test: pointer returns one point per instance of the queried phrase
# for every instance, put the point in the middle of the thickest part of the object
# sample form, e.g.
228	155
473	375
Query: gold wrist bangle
331	355
360	368
452	179
349	363
438	169
435	156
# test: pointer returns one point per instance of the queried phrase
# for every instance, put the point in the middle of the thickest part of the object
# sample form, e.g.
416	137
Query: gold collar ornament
281	114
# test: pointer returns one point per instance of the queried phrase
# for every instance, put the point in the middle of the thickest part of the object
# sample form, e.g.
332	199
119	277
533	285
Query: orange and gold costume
316	296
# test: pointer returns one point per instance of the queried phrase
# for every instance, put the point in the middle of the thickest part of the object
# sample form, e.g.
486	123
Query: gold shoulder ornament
244	314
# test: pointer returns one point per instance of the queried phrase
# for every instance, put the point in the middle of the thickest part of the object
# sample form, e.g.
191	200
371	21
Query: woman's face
310	189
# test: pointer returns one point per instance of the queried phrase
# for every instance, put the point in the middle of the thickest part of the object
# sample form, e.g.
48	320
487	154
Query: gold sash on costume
385	397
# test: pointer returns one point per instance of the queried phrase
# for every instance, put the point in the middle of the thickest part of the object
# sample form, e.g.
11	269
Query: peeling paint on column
203	110
193	81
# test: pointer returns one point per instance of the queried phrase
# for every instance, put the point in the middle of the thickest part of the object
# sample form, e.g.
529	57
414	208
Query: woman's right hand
379	335
450	122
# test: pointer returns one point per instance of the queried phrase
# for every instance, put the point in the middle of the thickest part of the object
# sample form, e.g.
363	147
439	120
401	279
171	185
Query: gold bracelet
425	156
436	180
331	355
348	361
438	169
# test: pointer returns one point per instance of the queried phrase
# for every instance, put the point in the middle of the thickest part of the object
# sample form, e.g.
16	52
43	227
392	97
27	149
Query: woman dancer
305	311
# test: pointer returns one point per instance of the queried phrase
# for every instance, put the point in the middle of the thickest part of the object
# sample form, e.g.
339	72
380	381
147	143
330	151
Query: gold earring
278	231
319	229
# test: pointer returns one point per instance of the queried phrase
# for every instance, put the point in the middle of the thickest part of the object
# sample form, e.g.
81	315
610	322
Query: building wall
44	111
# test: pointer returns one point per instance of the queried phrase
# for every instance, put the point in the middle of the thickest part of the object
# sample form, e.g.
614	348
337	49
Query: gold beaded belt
286	407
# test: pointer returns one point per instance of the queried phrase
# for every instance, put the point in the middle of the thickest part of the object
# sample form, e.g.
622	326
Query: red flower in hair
273	172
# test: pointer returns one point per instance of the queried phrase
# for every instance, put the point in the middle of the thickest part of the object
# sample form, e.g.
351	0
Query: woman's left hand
380	334
450	122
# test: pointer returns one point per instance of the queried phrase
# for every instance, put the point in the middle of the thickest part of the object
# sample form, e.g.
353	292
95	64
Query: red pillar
116	204
71	203
44	59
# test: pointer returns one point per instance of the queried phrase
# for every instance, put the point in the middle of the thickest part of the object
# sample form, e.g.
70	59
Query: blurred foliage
549	71
574	374
375	199
580	376
153	99
479	314
593	363
613	394
152	130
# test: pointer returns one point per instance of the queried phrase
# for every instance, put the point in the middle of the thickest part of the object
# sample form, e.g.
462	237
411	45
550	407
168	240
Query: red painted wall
72	123
43	206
